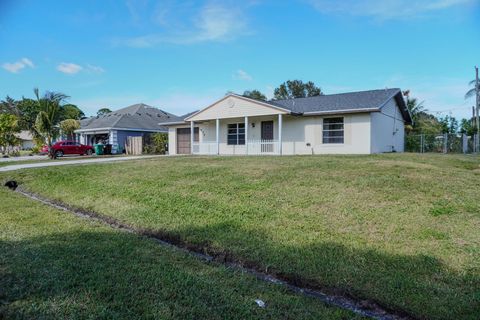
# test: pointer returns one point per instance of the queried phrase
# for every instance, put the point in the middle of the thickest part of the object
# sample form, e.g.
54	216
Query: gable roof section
274	108
138	116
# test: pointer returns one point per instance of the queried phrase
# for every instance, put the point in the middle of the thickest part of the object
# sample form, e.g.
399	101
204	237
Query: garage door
183	140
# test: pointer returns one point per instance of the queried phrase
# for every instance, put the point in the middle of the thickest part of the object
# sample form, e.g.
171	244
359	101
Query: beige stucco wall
234	107
298	132
388	129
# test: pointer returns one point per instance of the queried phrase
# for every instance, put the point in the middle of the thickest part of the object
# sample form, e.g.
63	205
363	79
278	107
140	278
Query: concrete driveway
54	163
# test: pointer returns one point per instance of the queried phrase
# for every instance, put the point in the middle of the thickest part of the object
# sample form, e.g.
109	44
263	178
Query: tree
471	93
467	127
103	111
10	106
8	128
255	94
29	110
415	108
71	111
49	115
69	126
449	124
296	89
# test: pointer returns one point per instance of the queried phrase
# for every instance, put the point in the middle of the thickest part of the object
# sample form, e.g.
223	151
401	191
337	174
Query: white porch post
280	124
192	134
246	135
217	128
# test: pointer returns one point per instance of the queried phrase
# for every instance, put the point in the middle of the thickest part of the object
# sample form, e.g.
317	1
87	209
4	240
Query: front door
267	136
183	140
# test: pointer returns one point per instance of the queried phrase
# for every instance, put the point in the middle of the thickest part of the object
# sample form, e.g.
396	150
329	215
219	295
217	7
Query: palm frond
470	93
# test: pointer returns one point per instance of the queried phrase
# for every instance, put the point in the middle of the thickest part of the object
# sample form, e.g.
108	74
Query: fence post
421	144
464	143
474	137
445	138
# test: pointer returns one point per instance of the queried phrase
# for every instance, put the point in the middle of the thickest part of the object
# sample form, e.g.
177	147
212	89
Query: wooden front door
183	140
267	136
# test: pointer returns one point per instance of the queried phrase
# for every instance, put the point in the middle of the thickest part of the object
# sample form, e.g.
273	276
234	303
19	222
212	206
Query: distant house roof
135	117
24	135
178	120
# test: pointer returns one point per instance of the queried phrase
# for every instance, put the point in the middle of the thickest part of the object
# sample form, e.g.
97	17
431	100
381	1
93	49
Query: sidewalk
54	163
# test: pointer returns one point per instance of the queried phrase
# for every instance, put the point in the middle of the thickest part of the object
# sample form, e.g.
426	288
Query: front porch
237	136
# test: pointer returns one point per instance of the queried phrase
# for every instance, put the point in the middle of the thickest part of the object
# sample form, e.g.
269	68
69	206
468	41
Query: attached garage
183	140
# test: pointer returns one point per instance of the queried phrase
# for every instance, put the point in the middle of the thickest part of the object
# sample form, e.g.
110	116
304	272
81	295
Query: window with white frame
236	134
333	131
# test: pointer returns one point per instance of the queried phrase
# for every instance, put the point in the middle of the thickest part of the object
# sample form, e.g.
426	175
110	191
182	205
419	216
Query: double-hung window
236	134
333	131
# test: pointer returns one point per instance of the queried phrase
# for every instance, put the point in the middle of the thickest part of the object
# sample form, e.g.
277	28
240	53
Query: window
333	130
236	133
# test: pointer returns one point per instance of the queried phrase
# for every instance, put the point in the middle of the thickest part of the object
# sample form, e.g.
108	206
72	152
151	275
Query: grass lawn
57	266
398	229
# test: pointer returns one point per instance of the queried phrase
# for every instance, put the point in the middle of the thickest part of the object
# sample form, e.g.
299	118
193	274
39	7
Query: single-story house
26	140
113	128
348	123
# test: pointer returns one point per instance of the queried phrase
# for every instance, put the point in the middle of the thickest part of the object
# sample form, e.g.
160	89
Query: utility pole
477	98
477	104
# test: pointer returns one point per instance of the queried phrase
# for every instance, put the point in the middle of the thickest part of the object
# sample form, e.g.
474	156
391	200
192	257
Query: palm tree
471	93
47	119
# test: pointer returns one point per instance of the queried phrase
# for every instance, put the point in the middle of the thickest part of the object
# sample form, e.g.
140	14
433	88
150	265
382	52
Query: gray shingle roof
180	119
343	102
137	116
337	102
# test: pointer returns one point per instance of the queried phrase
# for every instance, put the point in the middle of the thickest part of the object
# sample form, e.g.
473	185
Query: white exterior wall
388	129
298	132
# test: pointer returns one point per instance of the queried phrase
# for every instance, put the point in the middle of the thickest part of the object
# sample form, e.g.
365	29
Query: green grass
399	229
57	266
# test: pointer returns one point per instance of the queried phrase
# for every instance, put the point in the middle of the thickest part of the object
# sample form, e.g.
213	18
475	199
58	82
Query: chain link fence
442	143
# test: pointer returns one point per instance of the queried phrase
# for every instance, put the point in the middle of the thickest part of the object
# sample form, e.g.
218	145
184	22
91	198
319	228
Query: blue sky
183	55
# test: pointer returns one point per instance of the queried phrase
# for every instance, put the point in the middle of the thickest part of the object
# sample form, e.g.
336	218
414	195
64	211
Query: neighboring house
26	140
114	128
348	123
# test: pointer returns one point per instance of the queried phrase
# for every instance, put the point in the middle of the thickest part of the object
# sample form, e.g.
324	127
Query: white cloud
15	67
214	22
69	68
27	62
95	69
242	75
386	9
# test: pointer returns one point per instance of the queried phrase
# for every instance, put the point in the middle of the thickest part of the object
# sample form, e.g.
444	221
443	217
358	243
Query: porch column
192	134
280	124
217	130
246	135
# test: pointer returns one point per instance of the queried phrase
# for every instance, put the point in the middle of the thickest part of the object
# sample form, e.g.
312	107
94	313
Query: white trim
122	129
192	135
172	123
217	133
280	124
333	112
246	134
